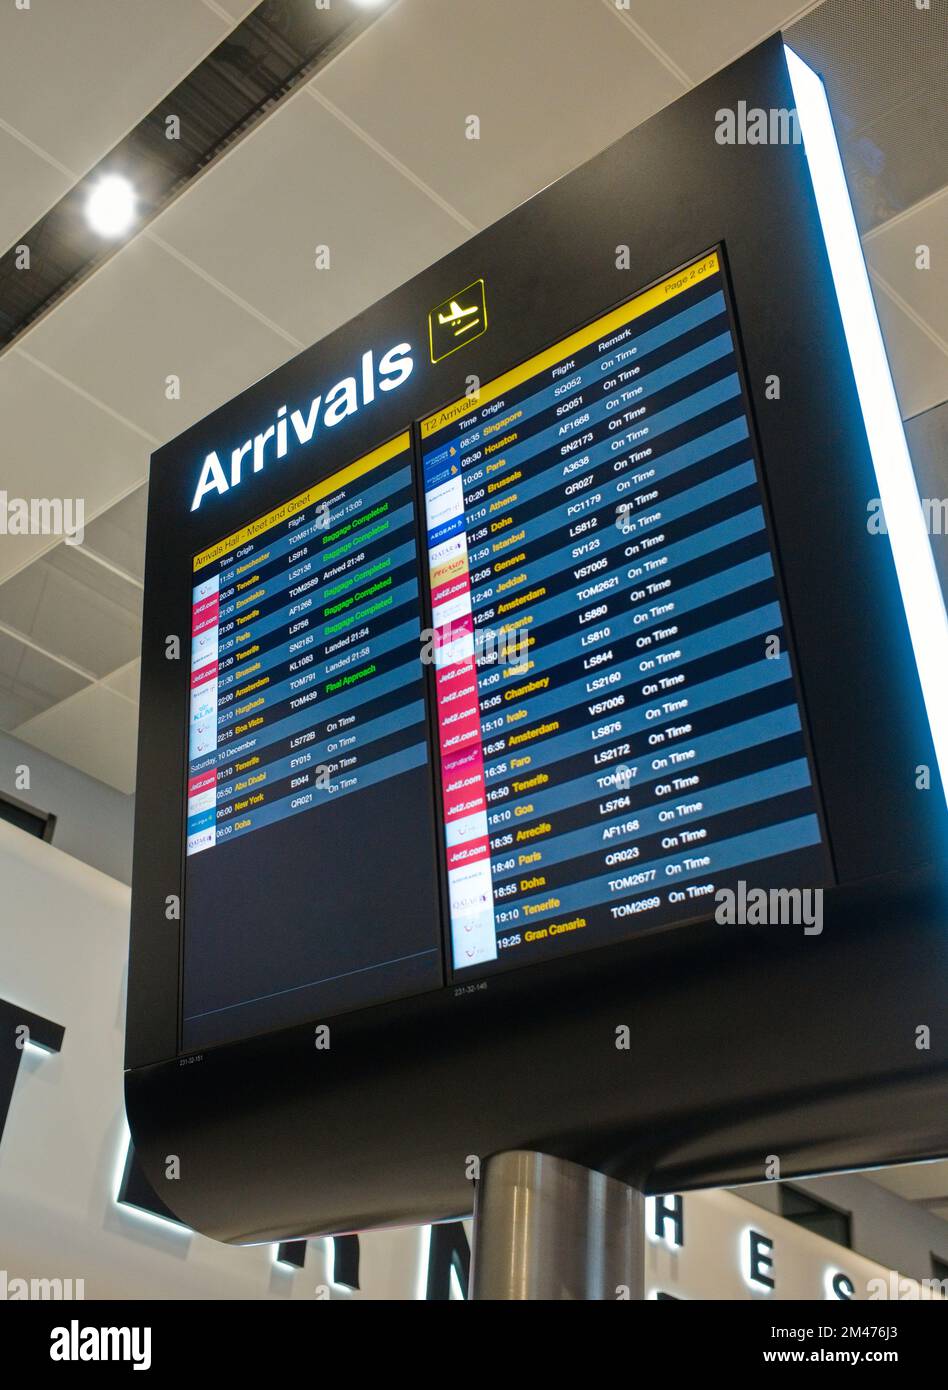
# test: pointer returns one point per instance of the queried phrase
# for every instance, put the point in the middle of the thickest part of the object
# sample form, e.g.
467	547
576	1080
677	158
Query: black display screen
619	728
620	733
304	894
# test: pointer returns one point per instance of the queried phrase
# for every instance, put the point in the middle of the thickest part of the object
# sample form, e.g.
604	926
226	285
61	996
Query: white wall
883	1226
93	821
63	946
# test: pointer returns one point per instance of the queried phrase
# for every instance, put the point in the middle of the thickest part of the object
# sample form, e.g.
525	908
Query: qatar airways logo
329	410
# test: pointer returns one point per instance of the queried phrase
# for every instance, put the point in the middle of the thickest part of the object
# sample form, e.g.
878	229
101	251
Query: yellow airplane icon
457	320
456	314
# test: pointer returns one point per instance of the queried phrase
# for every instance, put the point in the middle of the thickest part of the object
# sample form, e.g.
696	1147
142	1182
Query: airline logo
445	503
467	838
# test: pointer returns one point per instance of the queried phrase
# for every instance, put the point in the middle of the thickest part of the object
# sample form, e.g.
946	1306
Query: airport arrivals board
607	674
619	730
551	649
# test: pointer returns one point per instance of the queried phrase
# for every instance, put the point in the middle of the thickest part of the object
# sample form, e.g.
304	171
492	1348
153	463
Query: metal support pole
548	1229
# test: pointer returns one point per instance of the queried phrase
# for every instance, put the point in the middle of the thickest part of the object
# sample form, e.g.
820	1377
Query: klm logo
300	426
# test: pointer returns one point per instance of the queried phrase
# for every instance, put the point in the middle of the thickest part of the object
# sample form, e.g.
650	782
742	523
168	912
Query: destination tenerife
644	746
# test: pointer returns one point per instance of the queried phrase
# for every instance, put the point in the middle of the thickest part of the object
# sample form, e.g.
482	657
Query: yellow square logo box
457	321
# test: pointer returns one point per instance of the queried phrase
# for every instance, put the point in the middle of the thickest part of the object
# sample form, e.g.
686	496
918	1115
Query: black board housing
745	1042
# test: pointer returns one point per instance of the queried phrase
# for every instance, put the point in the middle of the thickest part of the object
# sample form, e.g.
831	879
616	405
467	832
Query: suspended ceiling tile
872	54
551	84
928	441
85	574
31	682
95	730
919	366
895	249
902	158
58	444
237	9
702	37
11	654
75	77
13	708
144	317
118	535
126	680
20	597
30	186
885	66
299	181
76	621
46	680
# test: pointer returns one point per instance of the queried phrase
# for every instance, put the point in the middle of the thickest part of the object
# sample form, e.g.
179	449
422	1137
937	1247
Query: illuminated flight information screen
308	724
619	729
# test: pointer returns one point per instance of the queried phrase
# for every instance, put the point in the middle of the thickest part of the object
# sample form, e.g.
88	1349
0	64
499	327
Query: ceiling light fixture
110	209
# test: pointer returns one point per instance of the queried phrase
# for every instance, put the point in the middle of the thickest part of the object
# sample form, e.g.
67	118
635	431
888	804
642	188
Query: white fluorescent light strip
424	1262
898	490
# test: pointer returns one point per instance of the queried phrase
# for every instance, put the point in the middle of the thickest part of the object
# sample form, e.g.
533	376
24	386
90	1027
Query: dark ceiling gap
260	63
